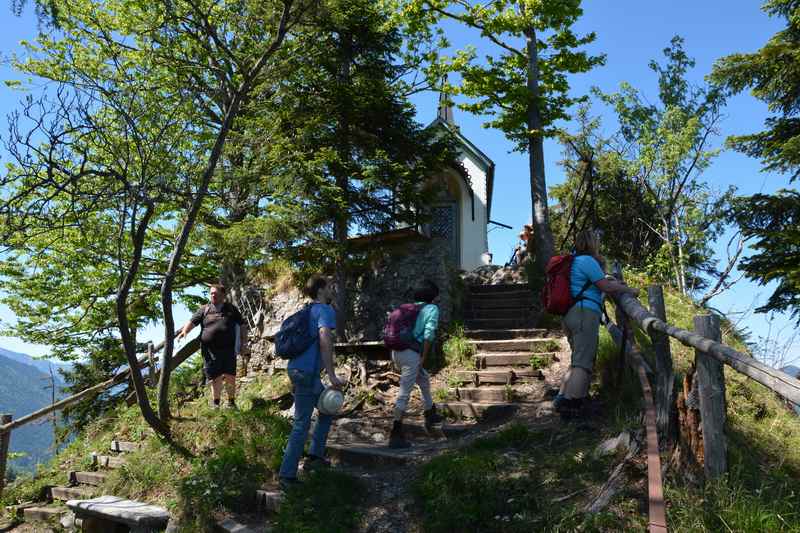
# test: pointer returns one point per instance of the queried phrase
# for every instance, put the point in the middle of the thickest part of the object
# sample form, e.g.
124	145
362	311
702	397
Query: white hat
330	401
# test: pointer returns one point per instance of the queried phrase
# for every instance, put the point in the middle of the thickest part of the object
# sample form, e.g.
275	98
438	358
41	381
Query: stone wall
386	281
389	279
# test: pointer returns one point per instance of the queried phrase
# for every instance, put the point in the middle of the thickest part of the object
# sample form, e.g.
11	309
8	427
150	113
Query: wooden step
498	323
372	455
522	359
268	501
498	376
87	478
71	493
231	525
500	288
495	303
126	447
514	313
478	410
544	344
107	461
43	514
484	394
504	334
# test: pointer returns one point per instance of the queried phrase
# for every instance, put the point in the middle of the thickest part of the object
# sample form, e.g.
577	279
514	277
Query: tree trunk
542	236
128	340
342	218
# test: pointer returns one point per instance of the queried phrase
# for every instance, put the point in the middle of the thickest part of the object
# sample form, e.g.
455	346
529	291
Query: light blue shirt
427	322
586	268
322	316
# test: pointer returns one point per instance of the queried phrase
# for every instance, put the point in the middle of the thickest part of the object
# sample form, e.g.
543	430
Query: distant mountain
42	364
22	391
791	370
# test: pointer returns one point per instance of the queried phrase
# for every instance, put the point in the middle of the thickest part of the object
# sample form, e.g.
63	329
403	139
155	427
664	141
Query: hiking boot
215	405
432	417
396	438
287	483
572	409
315	462
559	403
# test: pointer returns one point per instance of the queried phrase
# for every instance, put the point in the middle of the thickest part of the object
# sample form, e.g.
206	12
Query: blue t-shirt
426	324
322	316
586	267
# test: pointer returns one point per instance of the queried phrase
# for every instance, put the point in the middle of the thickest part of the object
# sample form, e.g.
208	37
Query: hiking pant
411	373
583	331
307	388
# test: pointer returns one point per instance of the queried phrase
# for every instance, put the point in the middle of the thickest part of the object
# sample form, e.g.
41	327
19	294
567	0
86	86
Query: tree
773	75
345	152
664	149
523	85
125	152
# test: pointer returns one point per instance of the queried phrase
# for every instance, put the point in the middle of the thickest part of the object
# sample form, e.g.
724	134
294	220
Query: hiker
223	337
304	373
521	250
411	362
588	282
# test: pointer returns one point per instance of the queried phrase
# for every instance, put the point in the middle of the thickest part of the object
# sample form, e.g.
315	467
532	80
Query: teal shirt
427	322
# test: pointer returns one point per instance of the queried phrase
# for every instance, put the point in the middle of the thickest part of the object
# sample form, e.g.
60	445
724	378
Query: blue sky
630	33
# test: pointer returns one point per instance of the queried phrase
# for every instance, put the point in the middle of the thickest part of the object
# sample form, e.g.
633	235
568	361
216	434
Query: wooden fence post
5	440
665	377
712	400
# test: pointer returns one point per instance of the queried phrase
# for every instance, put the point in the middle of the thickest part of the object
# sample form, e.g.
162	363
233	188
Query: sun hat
330	401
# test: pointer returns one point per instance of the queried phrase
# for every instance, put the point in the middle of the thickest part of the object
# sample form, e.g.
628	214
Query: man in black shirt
223	337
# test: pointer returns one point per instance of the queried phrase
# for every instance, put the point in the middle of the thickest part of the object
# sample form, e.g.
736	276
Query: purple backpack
398	334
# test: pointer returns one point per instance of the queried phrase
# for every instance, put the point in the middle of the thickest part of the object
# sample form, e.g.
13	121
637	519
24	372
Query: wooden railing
710	356
7	425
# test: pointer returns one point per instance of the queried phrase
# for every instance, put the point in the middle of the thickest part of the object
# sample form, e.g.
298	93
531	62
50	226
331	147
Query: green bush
326	502
457	349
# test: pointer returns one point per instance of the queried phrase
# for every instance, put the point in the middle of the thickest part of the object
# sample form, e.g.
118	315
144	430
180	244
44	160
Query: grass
326	502
457	349
512	482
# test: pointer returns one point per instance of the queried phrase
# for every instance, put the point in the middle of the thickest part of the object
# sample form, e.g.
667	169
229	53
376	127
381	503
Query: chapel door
444	225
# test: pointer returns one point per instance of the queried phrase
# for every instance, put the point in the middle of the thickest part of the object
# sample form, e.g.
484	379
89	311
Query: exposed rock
495	275
610	446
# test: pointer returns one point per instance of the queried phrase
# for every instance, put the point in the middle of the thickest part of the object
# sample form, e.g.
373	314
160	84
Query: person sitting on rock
411	364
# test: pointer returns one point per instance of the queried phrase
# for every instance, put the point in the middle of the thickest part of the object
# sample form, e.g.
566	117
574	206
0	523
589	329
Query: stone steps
497	323
94	479
504	334
499	289
478	410
43	513
120	446
543	344
510	313
107	461
521	359
489	394
71	493
498	376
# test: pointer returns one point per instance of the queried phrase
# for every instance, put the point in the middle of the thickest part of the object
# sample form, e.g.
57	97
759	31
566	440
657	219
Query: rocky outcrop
495	275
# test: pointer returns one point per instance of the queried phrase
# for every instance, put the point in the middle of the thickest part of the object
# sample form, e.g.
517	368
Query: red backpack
398	334
556	295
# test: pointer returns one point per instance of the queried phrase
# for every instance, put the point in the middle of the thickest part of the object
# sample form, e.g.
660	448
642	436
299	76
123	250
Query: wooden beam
712	400
665	376
775	380
118	378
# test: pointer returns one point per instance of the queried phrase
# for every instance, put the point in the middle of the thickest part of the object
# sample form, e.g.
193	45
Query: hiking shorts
216	365
583	333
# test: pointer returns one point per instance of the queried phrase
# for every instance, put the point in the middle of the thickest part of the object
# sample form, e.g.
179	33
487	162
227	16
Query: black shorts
218	364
